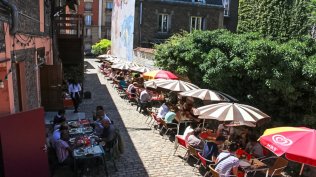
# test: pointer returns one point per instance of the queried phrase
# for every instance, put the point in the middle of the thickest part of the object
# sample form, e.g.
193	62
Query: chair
203	161
156	120
168	126
180	143
278	166
215	173
193	153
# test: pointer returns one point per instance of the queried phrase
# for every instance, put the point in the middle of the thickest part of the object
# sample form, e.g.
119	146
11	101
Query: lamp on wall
1	84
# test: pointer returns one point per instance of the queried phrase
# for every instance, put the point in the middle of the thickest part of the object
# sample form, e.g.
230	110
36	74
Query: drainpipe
100	17
140	22
15	16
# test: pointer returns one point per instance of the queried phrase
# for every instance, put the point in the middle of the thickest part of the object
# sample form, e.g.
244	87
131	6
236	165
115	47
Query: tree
277	19
279	78
101	47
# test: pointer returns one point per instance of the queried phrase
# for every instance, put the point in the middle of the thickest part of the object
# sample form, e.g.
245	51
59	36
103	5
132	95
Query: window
226	7
109	5
163	23
196	23
88	6
88	20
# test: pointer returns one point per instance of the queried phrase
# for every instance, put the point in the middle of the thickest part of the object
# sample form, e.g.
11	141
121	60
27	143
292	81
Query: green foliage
101	47
279	78
277	19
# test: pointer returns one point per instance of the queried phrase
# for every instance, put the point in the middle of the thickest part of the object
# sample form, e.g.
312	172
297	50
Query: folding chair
278	166
215	173
180	142
203	161
168	126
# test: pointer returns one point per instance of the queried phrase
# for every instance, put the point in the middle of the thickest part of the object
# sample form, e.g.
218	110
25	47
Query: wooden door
22	143
51	87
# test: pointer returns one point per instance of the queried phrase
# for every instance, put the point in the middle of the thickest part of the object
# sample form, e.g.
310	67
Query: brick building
148	22
25	46
97	19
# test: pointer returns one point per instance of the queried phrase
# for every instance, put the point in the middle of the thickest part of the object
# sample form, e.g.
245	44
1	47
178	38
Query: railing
69	25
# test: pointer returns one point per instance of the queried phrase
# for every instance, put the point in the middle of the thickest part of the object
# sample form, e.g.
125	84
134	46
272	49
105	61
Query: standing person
74	89
227	162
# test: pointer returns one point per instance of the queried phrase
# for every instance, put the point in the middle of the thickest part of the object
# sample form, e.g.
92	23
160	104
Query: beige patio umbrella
123	66
104	56
140	69
207	95
176	85
232	112
152	83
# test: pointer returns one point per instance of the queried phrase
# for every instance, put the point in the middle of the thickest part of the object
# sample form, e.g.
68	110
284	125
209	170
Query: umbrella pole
203	123
302	168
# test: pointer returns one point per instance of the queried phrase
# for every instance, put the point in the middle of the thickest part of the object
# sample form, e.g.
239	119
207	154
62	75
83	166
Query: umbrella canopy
230	112
206	94
176	85
103	56
140	69
152	83
297	143
159	74
240	123
123	66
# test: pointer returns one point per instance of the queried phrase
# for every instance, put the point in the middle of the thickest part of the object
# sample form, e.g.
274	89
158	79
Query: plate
72	130
243	163
72	140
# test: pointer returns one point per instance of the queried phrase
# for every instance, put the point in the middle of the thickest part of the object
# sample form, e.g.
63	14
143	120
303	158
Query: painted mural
123	28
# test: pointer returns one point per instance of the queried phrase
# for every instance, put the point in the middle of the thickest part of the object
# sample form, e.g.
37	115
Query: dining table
87	153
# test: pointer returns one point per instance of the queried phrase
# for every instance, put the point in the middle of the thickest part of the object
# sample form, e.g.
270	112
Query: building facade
143	23
97	18
231	14
25	45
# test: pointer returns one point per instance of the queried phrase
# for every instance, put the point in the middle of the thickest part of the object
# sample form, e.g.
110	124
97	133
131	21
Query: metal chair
168	126
180	142
193	153
278	166
203	161
215	173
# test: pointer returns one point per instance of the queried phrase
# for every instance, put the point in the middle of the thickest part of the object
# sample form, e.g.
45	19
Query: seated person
131	86
120	76
60	117
195	141
108	134
224	130
253	147
210	150
122	84
63	149
163	110
227	162
100	111
189	131
169	117
144	98
57	134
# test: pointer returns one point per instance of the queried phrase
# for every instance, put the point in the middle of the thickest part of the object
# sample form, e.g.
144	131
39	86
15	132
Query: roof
146	50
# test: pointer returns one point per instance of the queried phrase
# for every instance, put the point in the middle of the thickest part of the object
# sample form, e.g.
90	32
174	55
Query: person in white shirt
74	89
189	131
163	110
145	99
145	96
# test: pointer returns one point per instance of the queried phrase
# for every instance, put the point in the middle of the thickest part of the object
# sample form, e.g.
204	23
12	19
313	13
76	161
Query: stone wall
27	56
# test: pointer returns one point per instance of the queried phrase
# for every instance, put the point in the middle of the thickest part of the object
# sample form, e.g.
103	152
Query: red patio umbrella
297	143
159	74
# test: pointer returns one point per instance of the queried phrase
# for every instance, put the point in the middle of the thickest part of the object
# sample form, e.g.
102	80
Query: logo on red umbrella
281	140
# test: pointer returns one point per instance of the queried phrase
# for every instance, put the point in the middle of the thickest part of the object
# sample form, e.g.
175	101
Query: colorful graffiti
123	29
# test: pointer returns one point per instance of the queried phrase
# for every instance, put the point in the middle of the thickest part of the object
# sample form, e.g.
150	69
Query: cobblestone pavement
146	153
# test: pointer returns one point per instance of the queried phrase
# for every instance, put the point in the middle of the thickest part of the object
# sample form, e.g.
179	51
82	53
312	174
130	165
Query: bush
279	78
101	47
